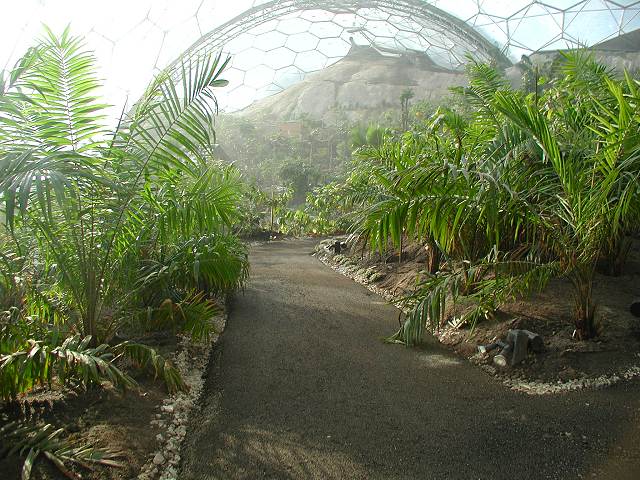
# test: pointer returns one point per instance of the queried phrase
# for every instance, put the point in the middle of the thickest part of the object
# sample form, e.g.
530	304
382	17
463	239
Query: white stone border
191	361
361	275
594	383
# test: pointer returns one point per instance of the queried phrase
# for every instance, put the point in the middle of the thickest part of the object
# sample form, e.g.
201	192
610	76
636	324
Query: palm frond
33	441
171	125
36	363
144	356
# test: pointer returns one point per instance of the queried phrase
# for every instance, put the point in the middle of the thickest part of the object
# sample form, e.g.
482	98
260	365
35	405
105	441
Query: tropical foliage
107	232
515	190
29	442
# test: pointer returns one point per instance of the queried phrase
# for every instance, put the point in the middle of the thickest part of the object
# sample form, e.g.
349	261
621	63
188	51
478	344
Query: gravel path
301	387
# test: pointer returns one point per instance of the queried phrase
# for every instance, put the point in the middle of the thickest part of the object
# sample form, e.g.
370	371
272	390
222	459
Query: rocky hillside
361	86
366	83
619	53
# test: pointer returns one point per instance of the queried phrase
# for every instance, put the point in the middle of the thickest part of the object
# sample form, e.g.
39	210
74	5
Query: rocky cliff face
366	83
361	86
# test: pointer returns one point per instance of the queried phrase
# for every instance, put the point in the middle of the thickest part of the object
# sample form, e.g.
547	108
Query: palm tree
522	190
405	97
105	228
98	202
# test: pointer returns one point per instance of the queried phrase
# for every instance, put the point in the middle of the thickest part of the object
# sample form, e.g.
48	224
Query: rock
503	358
172	471
167	408
536	343
158	459
520	341
484	349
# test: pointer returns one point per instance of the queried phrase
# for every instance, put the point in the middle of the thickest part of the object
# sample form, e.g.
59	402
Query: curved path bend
301	387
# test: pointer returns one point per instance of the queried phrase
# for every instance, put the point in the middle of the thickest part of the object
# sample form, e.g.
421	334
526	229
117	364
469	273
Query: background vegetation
107	234
507	190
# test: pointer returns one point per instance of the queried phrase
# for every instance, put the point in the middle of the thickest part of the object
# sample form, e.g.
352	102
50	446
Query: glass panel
133	39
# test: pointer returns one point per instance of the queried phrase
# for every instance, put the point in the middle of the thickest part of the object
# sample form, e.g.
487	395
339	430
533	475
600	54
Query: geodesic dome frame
279	42
133	40
273	45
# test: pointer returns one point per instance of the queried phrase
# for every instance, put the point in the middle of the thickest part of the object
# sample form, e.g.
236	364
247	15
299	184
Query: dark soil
302	387
101	416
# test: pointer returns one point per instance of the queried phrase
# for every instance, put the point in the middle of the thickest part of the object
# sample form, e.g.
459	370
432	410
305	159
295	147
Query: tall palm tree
99	201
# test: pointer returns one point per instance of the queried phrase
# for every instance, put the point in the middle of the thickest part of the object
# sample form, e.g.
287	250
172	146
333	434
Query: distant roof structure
278	42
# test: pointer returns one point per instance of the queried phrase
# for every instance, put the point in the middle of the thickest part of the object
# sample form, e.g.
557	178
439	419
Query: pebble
603	381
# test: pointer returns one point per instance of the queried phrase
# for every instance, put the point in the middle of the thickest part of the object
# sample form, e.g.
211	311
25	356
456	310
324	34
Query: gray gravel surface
302	387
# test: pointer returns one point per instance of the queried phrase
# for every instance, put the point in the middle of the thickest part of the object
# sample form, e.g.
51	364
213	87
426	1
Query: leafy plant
74	360
69	360
94	218
33	441
520	189
86	194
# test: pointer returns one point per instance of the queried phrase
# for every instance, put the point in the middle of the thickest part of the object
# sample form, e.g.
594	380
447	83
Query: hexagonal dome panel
270	40
284	40
301	42
311	61
294	25
259	76
279	58
288	76
326	30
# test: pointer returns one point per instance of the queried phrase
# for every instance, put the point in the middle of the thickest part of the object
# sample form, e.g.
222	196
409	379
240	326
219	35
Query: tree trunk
582	280
272	215
435	256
